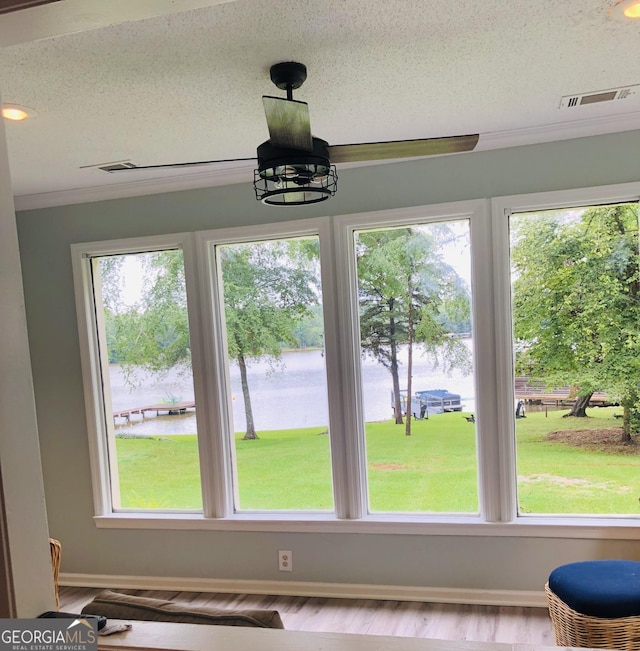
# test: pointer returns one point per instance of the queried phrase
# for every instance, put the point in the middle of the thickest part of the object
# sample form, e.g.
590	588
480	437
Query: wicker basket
56	554
574	629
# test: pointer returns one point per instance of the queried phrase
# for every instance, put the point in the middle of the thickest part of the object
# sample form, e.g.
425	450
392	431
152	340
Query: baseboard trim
470	596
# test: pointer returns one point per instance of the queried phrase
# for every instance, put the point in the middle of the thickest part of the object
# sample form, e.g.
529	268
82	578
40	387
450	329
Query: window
252	377
271	297
416	350
142	333
576	313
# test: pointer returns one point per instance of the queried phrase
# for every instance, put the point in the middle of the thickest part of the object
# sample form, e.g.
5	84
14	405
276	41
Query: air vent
111	166
571	101
114	167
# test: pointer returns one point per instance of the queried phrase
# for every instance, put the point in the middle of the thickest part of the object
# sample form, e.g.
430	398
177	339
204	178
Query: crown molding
597	126
218	175
174	183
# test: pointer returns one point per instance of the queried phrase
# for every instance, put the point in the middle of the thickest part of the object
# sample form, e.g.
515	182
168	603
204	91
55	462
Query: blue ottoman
596	604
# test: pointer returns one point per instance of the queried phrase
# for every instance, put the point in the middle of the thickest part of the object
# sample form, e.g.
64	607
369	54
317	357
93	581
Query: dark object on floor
57	614
470	419
114	605
596	604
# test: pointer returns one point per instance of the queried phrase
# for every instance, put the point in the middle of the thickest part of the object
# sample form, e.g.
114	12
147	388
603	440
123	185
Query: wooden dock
535	393
171	409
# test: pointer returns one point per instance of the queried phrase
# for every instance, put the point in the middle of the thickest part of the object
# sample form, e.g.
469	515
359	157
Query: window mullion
352	501
215	454
492	343
505	361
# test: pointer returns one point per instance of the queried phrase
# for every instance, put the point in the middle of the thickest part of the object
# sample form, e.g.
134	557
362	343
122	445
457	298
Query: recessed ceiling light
17	113
626	9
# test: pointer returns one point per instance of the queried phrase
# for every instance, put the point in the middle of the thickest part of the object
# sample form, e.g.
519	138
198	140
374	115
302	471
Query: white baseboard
311	589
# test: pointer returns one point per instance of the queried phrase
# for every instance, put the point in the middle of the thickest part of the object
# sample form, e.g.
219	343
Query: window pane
415	329
274	333
143	335
576	298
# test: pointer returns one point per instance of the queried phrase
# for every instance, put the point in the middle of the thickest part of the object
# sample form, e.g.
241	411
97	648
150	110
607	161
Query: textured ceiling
187	85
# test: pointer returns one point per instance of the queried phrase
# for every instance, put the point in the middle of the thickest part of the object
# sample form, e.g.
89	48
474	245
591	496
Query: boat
429	402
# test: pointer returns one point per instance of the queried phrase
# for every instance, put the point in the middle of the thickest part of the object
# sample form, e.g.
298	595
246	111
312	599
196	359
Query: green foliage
152	334
268	288
309	331
576	300
408	294
402	267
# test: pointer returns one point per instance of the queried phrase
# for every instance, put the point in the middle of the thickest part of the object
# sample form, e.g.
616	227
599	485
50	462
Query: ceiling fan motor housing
294	177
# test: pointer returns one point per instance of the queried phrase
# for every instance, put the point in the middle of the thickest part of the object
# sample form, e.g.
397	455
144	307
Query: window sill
530	526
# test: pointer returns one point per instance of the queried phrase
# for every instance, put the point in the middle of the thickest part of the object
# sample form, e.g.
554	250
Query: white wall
466	563
23	489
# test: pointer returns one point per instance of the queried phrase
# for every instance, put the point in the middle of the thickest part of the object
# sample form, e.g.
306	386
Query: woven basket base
575	629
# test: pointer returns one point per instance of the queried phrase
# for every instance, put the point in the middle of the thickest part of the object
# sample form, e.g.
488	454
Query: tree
309	332
576	303
407	292
269	288
153	333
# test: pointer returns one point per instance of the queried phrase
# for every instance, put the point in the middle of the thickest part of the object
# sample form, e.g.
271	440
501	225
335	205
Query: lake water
291	395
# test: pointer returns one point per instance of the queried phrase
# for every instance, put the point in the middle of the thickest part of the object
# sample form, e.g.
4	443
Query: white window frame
493	362
501	210
217	378
94	367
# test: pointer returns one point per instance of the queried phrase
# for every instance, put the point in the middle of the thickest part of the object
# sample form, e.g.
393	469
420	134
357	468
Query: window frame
501	209
217	381
346	226
94	367
493	362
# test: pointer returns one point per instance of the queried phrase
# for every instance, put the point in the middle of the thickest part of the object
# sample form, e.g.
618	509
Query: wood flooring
400	618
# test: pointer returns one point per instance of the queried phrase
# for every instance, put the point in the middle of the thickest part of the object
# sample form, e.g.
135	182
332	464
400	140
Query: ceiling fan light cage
288	177
310	186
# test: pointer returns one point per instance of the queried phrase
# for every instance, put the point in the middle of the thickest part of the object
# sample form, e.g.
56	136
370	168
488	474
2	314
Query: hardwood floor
400	618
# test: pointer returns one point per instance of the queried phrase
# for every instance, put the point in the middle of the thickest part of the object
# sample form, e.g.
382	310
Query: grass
566	478
434	470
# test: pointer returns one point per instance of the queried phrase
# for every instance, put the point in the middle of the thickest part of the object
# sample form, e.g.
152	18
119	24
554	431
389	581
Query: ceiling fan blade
7	6
288	122
401	148
128	167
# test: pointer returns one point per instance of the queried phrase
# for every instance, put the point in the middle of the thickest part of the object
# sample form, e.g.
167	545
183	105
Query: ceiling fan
7	6
296	168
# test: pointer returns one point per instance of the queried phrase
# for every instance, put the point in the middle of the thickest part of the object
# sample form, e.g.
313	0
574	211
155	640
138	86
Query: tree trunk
397	408
251	429
407	430
579	409
630	416
626	421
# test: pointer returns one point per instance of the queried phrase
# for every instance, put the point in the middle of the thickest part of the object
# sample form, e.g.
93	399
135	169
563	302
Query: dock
170	409
534	392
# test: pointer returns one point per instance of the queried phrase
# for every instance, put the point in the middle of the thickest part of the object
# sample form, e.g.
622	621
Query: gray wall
483	562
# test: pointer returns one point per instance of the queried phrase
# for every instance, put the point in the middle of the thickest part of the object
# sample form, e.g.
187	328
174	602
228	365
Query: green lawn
434	470
554	477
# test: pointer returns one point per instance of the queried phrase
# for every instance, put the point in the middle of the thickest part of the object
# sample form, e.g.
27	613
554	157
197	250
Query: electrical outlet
285	560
